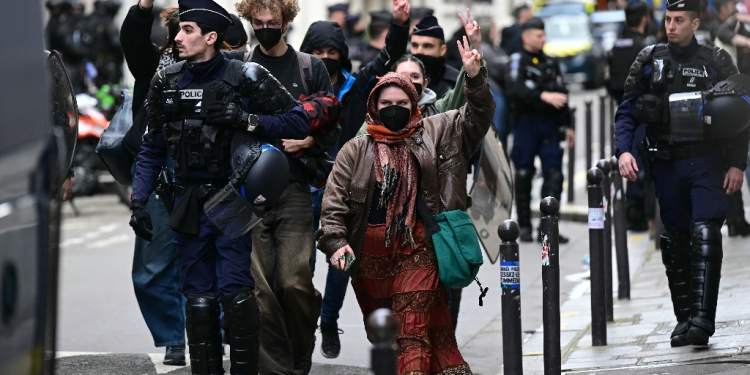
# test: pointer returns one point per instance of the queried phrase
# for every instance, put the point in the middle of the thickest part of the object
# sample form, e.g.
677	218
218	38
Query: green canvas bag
456	246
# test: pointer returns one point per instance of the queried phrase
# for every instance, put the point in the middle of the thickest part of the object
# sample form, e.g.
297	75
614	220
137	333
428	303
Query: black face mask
332	66
268	37
394	117
419	88
432	65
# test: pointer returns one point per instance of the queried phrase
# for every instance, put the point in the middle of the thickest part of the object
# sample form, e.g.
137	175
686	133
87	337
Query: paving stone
605	351
693	354
598	364
585	341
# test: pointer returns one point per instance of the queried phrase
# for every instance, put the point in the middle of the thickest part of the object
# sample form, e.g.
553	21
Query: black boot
204	335
331	345
706	274
523	202
736	216
242	329
675	254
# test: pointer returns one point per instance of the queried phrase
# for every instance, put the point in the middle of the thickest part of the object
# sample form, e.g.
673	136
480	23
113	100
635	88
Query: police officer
640	202
539	110
197	109
687	168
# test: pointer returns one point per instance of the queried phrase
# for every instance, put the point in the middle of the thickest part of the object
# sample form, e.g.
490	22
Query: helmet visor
231	213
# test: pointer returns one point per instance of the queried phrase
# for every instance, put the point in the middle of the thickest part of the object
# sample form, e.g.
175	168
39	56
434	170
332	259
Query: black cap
533	23
206	12
687	5
381	16
352	19
340	7
236	35
418	13
429	26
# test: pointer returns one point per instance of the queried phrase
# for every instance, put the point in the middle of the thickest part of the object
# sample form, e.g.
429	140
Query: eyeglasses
269	25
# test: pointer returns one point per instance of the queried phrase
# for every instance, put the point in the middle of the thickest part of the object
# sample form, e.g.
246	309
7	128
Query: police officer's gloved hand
141	220
227	114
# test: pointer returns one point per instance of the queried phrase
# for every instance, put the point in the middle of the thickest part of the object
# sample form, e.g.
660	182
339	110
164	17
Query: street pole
510	281
382	327
621	233
602	123
604	166
596	254
572	157
589	136
551	285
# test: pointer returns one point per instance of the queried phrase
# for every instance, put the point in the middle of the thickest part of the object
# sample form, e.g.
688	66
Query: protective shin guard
706	274
242	327
204	334
675	254
553	184
523	196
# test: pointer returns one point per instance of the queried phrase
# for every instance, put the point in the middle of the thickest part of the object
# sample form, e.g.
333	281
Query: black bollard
596	254
621	233
382	328
604	166
510	280
602	123
611	126
551	285
589	136
572	157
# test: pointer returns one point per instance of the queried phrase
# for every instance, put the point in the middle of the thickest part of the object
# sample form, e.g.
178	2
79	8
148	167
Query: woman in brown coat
369	210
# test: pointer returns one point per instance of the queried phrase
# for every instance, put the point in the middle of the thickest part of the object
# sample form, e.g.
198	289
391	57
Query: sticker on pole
596	218
545	251
510	275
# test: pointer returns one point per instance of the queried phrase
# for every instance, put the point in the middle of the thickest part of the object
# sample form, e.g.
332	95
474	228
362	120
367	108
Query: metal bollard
621	233
611	126
510	280
551	285
602	123
382	327
589	136
596	254
572	158
604	166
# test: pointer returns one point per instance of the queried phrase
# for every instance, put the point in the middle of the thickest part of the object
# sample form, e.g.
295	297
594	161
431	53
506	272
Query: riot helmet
726	107
260	176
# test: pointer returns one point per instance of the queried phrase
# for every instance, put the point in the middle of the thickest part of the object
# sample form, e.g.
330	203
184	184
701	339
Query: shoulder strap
661	51
705	55
430	223
305	70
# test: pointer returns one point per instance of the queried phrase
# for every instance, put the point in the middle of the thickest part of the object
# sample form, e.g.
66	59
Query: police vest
193	142
624	52
669	77
537	74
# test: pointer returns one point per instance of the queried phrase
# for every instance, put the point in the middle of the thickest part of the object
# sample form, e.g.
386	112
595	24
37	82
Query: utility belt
168	190
672	152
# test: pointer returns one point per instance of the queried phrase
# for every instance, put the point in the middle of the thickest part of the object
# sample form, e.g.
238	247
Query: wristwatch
252	122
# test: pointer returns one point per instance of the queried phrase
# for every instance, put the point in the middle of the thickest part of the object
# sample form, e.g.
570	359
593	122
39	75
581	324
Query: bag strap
424	212
305	70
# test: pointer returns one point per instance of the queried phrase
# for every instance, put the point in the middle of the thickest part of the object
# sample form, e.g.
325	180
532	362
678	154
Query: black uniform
621	57
688	173
537	128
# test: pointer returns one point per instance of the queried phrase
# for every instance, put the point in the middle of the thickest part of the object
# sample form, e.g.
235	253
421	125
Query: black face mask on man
394	117
332	66
432	65
268	37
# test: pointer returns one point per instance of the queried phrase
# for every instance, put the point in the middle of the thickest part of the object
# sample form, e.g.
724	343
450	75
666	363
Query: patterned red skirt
407	281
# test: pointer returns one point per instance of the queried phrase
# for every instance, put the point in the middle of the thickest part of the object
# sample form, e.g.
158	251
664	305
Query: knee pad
553	183
523	181
241	313
707	241
202	313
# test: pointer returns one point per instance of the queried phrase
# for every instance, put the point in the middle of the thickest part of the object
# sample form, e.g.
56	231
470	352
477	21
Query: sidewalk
638	340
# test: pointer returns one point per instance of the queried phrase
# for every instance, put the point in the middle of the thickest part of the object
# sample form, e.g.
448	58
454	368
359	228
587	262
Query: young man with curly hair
282	242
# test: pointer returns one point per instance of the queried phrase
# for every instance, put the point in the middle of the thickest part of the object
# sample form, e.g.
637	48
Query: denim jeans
317	202
500	120
156	280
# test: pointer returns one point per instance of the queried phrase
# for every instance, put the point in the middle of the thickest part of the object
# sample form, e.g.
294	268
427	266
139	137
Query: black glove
226	114
141	220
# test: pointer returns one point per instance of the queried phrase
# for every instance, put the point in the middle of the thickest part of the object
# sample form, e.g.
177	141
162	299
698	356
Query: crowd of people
254	153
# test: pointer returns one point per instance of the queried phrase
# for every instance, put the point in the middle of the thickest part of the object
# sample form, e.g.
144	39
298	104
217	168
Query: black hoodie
353	89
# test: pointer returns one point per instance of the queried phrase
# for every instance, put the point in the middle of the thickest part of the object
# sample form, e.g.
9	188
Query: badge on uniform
192	98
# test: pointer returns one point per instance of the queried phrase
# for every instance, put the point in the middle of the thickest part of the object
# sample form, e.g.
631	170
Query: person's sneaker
526	235
175	355
331	346
741	229
302	366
